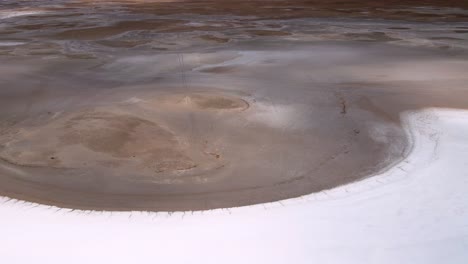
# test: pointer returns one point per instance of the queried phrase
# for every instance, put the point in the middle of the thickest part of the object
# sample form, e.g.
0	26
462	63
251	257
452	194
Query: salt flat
416	212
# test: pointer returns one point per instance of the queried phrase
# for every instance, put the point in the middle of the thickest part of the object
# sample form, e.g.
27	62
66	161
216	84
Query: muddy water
134	105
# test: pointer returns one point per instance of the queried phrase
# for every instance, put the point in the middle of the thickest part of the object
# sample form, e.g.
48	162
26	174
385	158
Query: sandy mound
202	101
117	140
97	138
216	102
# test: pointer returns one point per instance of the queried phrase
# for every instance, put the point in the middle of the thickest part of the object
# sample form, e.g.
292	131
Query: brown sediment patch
122	43
399	28
214	38
44	26
220	69
95	33
7	32
445	38
373	36
37	48
181	27
201	101
80	56
303	8
100	139
217	102
268	33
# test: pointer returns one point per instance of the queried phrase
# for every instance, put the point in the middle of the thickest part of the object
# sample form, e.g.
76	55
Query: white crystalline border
415	212
4	14
10	43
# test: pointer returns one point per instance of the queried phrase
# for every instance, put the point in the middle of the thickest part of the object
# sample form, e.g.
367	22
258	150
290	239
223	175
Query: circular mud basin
183	151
